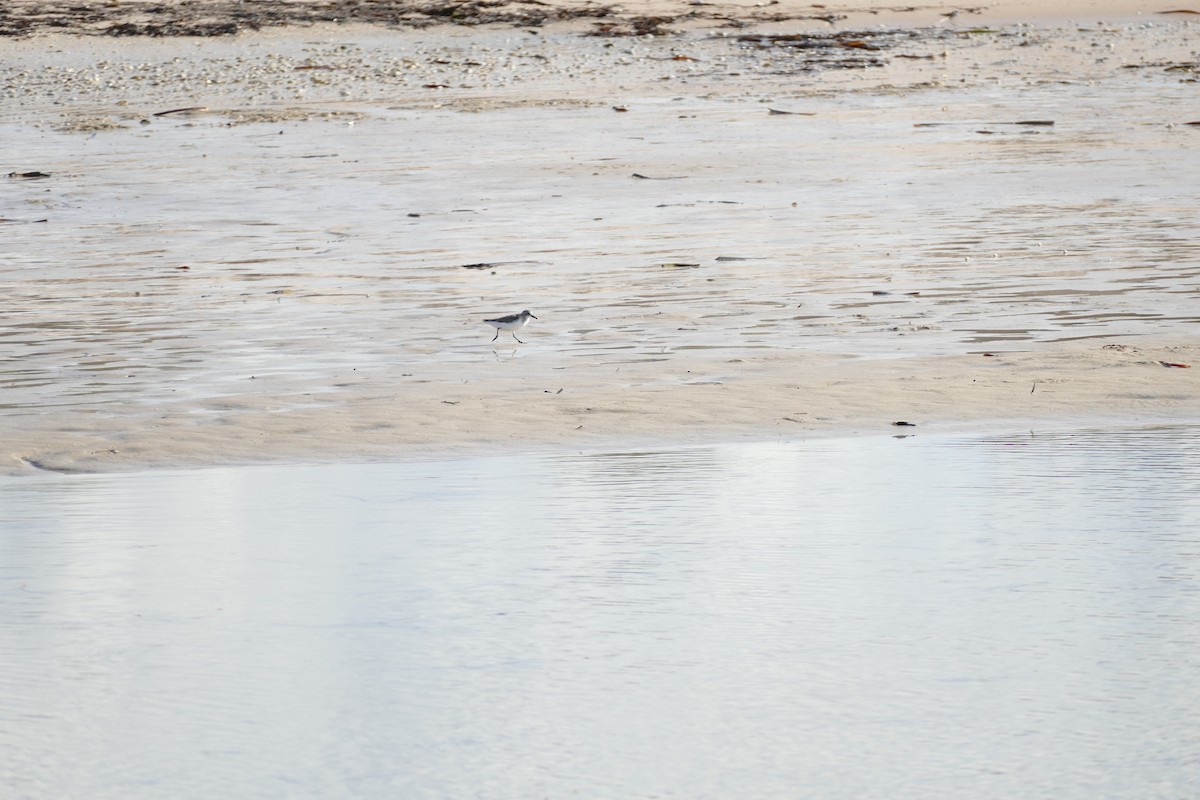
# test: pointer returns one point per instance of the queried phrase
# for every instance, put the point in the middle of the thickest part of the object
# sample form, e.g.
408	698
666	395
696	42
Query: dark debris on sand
840	49
227	17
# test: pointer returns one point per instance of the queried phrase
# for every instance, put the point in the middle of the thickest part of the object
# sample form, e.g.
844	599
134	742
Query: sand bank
725	233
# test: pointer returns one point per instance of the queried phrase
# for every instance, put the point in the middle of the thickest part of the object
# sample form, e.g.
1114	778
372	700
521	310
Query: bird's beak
532	316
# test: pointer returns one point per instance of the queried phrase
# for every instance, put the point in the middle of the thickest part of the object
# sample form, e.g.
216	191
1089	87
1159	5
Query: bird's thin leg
497	336
515	337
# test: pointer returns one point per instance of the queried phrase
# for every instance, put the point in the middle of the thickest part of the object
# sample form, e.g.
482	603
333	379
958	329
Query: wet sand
298	270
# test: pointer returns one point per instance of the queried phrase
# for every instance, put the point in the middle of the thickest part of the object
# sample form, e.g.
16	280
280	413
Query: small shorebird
513	322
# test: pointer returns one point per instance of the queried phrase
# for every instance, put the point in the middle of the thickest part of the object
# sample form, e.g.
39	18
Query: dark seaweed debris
636	26
227	17
838	49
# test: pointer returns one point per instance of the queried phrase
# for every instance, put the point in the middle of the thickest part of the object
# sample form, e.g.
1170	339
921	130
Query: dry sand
292	272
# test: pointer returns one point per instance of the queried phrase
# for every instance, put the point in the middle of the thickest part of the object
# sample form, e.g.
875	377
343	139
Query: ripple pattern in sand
190	259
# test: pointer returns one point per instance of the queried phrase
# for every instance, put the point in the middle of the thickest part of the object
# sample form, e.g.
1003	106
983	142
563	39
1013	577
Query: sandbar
278	242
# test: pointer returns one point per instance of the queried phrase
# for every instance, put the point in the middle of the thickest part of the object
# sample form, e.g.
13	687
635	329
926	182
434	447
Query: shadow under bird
513	322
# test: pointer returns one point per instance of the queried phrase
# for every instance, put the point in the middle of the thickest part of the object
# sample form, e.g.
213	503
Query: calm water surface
927	617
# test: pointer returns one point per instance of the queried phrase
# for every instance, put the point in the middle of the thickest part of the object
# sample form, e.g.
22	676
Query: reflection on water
873	618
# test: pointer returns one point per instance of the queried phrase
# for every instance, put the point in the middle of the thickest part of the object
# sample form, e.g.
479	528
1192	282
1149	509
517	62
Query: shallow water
869	618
